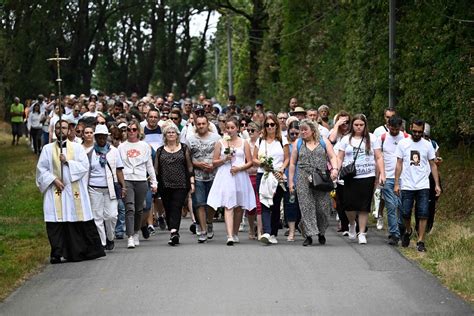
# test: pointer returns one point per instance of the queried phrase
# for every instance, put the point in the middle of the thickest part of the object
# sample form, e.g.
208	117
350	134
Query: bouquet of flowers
228	150
267	164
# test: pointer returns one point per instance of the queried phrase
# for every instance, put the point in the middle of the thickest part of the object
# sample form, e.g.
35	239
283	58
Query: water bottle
292	197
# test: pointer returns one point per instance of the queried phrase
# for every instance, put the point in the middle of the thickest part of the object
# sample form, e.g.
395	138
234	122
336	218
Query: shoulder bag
348	172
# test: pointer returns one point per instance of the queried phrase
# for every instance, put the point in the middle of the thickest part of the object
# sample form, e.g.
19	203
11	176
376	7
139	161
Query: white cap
101	129
121	125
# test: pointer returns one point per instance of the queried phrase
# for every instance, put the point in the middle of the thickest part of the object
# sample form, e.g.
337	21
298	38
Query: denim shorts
201	192
422	199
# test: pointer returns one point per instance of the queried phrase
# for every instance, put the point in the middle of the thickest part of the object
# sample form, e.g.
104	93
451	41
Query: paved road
340	278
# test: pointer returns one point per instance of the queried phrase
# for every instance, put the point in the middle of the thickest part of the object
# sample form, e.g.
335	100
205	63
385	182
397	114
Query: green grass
24	246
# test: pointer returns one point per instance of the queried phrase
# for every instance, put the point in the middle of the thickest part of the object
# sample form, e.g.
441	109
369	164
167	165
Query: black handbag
321	181
348	172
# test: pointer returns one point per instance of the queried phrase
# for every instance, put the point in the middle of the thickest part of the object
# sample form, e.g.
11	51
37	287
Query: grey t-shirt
202	150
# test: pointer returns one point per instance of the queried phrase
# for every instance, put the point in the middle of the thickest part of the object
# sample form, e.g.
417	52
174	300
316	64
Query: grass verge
24	245
450	244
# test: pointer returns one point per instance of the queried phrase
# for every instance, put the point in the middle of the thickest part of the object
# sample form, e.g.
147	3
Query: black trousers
341	210
35	134
75	241
173	202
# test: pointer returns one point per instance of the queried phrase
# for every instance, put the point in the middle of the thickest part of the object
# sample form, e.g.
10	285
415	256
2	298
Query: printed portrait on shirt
414	158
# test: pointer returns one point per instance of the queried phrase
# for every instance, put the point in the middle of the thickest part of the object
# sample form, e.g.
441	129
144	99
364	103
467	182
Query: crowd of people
113	167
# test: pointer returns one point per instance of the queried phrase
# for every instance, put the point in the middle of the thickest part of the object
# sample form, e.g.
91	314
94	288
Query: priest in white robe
67	210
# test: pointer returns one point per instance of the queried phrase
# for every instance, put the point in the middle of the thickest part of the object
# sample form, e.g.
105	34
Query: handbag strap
358	149
111	171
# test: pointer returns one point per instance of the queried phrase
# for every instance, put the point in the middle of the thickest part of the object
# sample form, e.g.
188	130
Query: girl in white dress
232	188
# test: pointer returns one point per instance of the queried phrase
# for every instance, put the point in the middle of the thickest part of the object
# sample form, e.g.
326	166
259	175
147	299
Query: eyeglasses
174	118
251	130
270	124
132	129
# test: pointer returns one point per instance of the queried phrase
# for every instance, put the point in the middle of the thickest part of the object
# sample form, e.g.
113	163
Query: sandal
290	239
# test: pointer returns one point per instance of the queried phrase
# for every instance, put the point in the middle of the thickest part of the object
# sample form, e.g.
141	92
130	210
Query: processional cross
58	61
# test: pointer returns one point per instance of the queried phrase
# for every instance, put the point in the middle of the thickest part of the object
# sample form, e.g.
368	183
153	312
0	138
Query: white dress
232	191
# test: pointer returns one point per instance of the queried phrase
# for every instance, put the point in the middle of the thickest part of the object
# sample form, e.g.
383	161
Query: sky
199	21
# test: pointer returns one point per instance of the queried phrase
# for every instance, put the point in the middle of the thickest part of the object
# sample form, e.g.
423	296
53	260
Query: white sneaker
352	231
362	238
380	223
136	239
131	243
273	240
236	239
265	238
198	229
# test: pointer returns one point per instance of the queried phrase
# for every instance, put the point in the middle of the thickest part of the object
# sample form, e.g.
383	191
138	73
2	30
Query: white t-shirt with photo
416	165
365	163
273	149
388	146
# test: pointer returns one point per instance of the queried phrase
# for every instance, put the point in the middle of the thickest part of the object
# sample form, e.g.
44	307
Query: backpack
384	135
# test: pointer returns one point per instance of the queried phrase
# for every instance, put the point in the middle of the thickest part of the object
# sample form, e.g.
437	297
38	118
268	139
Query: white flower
226	137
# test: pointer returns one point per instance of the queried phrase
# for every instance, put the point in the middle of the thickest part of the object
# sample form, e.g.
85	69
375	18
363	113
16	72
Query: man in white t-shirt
387	114
388	142
378	202
415	161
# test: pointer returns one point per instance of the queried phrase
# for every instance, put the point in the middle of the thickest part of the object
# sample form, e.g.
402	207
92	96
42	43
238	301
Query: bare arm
434	171
332	159
292	169
380	165
398	172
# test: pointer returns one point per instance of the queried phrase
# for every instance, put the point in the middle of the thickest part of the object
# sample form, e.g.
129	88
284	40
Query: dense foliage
336	53
332	52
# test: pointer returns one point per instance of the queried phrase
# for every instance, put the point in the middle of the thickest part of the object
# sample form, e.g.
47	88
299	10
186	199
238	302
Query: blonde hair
312	126
166	129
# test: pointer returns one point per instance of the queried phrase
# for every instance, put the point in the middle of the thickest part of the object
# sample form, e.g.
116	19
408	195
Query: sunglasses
174	118
270	124
132	129
251	130
294	134
243	124
78	131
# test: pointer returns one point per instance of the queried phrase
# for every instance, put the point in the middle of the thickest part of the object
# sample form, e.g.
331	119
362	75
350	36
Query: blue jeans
393	204
422	198
120	226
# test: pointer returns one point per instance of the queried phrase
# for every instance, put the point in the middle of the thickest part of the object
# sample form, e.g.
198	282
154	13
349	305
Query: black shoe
406	239
110	245
322	239
287	232
145	232
308	241
56	260
192	228
161	223
174	239
420	246
119	236
393	241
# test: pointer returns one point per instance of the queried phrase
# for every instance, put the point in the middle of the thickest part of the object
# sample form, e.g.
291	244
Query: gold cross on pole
58	61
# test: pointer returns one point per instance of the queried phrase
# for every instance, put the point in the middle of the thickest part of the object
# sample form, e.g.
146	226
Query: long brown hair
273	117
365	132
